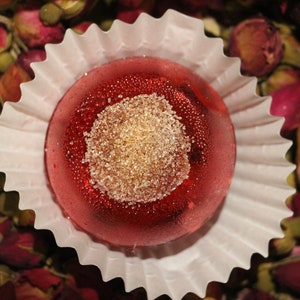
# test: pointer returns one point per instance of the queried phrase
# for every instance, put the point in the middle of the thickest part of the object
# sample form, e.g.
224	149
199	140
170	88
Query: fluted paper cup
255	203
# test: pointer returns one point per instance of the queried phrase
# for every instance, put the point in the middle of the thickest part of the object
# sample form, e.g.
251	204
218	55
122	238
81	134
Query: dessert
140	151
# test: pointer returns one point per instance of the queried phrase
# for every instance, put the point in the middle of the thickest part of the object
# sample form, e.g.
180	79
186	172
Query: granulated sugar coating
140	151
137	149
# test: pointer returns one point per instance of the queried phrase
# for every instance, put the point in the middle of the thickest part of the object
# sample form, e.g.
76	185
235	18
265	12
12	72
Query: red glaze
212	157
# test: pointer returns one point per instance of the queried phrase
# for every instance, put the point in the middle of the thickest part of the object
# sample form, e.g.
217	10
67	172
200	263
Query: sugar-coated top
137	149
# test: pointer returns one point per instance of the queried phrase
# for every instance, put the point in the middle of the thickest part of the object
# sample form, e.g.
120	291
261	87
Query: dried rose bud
10	83
17	248
283	246
5	4
41	278
296	200
81	27
106	24
291	227
6	59
286	103
296	251
29	56
287	275
257	42
291	54
251	294
129	16
5	226
24	290
25	217
50	13
296	204
293	11
264	279
73	8
5	38
215	291
33	32
282	76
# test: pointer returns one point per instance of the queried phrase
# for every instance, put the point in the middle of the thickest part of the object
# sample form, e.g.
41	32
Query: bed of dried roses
264	33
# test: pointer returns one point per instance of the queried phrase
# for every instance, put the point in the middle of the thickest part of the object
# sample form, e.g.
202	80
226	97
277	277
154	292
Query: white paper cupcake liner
255	203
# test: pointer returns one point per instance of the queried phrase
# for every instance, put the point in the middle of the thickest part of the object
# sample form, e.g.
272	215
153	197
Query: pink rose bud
29	56
33	32
5	38
296	251
286	103
257	42
288	276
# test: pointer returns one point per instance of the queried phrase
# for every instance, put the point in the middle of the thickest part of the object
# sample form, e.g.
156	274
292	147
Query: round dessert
139	152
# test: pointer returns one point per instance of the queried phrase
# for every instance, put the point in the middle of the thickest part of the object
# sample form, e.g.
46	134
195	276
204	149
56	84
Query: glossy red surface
192	204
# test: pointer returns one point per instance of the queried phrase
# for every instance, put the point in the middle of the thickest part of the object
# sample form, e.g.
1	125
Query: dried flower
29	56
74	8
10	83
5	4
33	32
129	15
41	278
5	37
254	294
24	290
286	103
50	13
296	204
282	76
6	59
5	225
81	27
257	42
286	276
18	247
291	54
292	10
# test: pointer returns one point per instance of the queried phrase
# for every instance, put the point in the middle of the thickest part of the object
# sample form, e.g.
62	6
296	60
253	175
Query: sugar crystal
137	149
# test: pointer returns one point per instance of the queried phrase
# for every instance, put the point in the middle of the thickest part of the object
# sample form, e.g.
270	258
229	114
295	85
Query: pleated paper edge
167	275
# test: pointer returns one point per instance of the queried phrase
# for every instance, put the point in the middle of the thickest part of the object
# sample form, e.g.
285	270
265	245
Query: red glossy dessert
139	152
